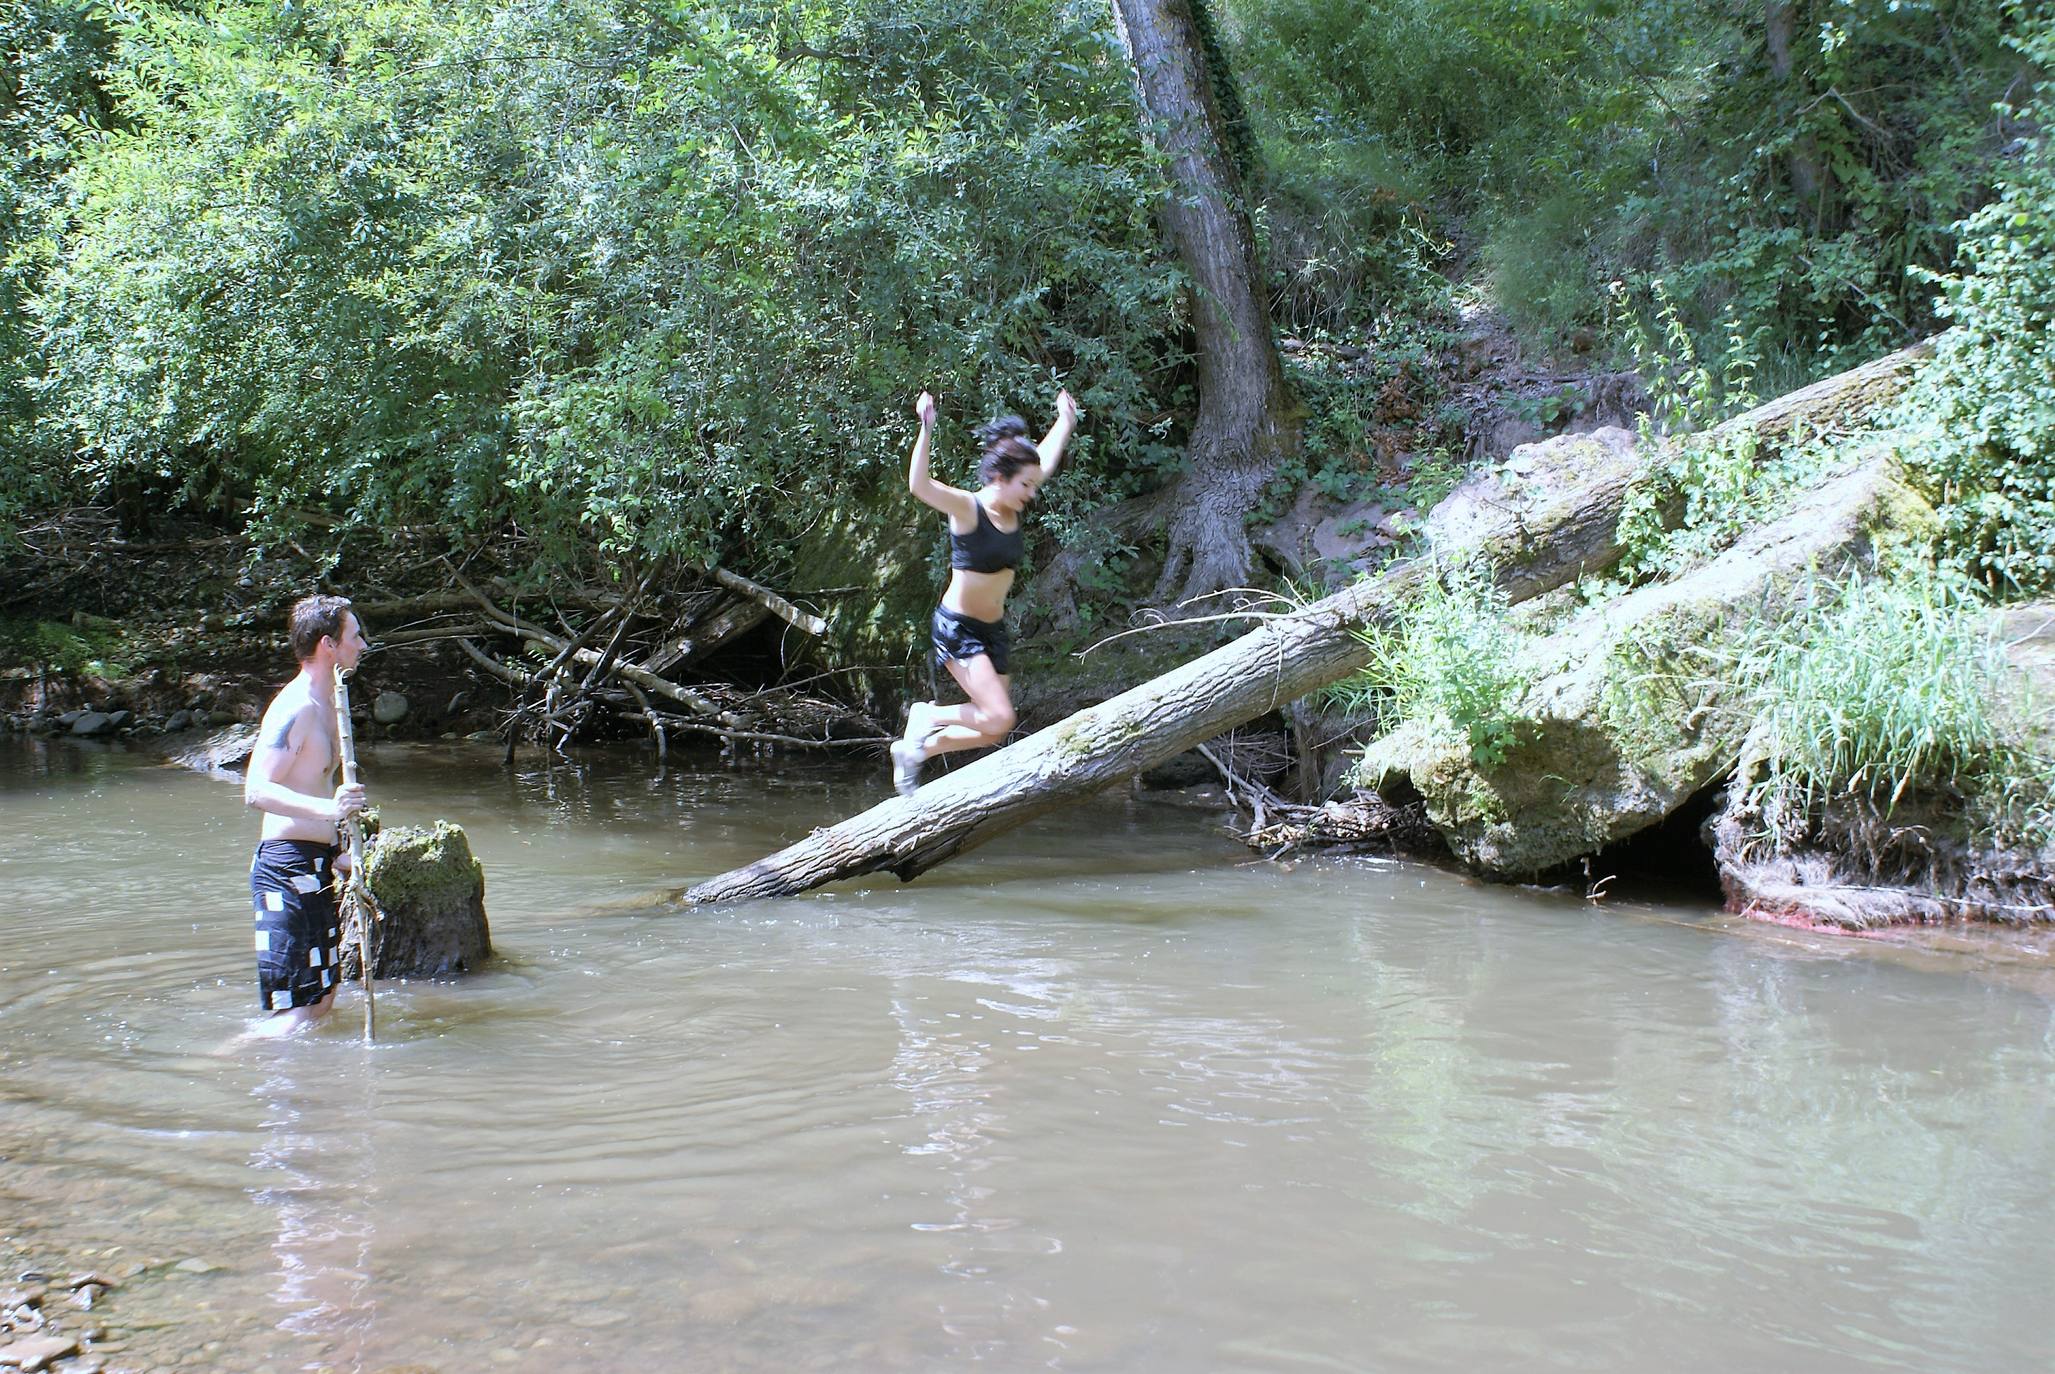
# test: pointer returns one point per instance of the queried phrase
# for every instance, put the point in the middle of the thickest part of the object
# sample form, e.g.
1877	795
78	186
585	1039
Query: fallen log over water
1543	531
1546	516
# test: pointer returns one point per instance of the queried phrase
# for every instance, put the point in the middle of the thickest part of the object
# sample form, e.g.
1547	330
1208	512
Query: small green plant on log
1685	392
1710	488
1450	657
1436	473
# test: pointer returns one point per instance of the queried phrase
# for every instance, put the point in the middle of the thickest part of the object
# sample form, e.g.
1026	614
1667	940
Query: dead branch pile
597	663
1278	826
609	651
1364	821
78	557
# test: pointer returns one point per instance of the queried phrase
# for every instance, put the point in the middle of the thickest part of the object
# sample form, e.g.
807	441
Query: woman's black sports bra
987	548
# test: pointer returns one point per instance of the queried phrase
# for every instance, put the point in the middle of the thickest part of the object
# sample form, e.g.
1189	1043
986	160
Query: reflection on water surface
1101	1096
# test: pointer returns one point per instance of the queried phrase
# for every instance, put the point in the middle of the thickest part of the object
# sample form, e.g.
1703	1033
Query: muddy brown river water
1104	1095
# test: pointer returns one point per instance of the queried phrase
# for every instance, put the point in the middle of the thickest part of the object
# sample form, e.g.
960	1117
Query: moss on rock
1624	717
432	893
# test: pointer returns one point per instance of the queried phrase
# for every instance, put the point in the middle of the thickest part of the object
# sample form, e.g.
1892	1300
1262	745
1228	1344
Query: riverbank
1614	726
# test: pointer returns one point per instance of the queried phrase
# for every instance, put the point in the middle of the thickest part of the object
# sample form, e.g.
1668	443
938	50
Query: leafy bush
1780	166
1450	657
1340	220
1705	489
1436	473
1983	411
661	279
51	52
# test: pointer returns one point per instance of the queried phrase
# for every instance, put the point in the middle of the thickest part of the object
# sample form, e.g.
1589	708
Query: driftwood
359	909
615	667
734	619
1546	516
771	601
1364	821
750	605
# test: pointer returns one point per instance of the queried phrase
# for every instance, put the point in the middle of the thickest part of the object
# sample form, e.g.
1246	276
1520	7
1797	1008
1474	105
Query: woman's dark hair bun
1005	427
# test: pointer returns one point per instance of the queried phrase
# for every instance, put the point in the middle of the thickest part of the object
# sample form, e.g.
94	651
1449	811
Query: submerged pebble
597	1318
38	1352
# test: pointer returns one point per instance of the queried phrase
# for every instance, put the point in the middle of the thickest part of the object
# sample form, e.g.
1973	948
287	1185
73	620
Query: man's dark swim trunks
291	887
959	636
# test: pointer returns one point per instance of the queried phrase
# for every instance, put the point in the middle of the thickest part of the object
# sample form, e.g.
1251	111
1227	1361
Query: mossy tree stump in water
432	892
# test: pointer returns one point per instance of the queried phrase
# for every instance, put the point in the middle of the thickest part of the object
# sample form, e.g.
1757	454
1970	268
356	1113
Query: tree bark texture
1547	516
1246	421
1810	181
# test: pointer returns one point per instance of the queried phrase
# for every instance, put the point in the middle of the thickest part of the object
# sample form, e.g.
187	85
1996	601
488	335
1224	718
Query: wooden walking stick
356	896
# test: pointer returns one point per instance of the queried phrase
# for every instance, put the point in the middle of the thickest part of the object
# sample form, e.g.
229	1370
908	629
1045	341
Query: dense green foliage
1977	430
91	646
1784	176
661	278
658	276
51	53
1984	414
1704	488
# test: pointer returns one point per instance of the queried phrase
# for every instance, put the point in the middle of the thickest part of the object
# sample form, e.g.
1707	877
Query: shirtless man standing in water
292	878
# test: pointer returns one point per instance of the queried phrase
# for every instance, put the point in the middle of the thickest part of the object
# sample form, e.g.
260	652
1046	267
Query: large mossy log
1625	717
1547	515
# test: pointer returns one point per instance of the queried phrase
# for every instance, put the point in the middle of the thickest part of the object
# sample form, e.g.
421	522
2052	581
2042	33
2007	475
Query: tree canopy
645	274
658	277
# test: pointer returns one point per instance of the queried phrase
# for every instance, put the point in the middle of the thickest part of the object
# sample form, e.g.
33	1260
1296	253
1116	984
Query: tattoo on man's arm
284	738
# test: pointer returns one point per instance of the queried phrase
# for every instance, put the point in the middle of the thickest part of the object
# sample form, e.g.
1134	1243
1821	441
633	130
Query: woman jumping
969	628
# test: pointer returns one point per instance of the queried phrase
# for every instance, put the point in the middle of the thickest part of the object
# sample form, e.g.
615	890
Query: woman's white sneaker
907	758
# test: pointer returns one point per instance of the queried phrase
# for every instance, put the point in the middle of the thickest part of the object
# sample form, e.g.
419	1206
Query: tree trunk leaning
1247	421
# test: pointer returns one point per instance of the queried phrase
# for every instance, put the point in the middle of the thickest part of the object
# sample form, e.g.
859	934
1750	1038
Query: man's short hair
313	619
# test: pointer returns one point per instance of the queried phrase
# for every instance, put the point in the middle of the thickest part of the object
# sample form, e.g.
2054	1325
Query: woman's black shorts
960	637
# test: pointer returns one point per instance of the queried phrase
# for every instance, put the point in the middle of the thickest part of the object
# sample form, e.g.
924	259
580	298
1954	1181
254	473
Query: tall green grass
1885	688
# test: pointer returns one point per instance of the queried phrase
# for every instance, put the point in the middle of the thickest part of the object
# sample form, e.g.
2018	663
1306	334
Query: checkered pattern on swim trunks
292	894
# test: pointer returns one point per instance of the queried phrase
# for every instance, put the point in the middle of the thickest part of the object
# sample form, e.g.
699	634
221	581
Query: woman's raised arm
940	495
1051	447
